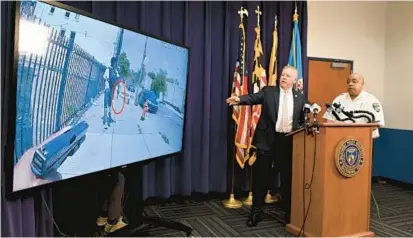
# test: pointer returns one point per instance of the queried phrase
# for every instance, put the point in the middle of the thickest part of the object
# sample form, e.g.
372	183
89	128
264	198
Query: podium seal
349	157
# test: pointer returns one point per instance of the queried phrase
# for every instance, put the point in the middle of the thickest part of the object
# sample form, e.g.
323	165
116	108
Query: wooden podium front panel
314	219
347	200
340	206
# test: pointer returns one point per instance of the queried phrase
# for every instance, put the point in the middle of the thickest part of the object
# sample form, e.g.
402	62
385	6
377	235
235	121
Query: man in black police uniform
282	112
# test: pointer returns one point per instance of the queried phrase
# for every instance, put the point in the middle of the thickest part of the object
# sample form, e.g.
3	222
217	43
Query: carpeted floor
210	218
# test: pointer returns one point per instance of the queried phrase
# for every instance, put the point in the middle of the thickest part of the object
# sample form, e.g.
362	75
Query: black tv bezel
10	108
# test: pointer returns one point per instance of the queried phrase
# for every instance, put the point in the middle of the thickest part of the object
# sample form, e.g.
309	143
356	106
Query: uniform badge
349	157
376	107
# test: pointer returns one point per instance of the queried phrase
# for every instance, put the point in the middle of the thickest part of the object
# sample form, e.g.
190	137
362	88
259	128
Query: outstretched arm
248	99
252	99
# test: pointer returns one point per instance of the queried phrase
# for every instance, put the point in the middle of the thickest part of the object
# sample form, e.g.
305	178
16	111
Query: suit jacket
269	98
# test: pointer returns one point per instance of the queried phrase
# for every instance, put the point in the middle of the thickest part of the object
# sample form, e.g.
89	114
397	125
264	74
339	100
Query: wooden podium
340	205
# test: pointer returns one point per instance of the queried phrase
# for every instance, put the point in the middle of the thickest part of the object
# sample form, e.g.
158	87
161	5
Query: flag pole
272	82
248	200
232	202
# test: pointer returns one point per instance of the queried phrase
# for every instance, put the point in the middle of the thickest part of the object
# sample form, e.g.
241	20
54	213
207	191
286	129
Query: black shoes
255	218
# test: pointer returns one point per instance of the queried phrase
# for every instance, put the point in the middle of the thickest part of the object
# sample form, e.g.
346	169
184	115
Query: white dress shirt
290	106
364	101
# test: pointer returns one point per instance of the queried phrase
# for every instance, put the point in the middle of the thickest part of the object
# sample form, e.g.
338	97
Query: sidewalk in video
127	140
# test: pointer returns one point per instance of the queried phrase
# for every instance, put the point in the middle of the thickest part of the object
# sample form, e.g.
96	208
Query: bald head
355	84
357	75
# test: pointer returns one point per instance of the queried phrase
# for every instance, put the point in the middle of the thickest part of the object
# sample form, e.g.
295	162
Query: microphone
315	108
329	107
350	114
336	108
306	109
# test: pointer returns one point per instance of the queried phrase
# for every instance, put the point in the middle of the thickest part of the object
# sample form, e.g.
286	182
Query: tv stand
137	219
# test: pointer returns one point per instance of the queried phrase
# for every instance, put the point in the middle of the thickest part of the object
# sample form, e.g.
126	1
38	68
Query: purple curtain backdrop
210	30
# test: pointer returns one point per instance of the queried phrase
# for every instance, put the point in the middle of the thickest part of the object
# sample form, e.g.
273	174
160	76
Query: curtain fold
210	29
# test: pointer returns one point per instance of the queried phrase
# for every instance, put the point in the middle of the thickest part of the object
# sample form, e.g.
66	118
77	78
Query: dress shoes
255	218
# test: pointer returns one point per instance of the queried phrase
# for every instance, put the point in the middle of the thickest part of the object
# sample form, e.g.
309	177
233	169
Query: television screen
91	95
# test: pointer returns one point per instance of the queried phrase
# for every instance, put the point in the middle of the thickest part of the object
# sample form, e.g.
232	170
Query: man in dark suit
282	112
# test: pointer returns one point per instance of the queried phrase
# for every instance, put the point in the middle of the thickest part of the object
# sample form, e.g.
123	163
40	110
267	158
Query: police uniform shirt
364	101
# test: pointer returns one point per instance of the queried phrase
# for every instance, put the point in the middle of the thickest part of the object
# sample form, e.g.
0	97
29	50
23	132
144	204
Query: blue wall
393	155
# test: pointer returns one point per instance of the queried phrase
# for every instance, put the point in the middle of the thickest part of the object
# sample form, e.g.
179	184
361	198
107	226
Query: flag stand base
248	200
232	202
272	199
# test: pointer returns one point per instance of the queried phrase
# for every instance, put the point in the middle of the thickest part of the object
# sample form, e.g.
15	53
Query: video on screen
92	96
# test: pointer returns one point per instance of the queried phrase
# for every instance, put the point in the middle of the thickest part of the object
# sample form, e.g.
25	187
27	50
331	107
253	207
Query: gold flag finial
242	12
295	16
259	13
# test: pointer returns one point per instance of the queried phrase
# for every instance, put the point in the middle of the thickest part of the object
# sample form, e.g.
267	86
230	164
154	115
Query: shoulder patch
376	107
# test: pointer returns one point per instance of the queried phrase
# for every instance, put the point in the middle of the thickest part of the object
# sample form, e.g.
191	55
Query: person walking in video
111	76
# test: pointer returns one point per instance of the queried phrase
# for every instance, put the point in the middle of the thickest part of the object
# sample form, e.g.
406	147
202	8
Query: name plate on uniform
349	157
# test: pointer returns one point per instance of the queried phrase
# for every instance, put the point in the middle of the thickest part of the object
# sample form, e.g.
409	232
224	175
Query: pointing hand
234	100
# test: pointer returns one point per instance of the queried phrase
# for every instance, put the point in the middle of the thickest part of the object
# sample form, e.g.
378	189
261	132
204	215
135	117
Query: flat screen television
89	95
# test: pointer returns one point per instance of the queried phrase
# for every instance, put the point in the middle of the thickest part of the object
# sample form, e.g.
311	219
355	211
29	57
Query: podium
338	159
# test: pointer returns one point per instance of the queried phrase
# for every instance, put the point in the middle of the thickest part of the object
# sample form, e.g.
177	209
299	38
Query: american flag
241	114
259	80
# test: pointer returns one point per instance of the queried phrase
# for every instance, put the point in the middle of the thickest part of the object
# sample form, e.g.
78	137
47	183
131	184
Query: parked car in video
152	100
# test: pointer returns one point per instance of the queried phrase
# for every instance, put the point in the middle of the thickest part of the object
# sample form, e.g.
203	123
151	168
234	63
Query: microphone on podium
315	109
306	109
335	109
